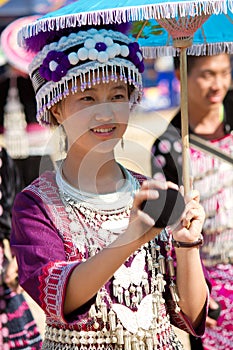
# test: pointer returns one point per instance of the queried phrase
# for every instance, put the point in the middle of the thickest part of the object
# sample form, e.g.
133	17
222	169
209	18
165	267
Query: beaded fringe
63	20
52	92
73	340
194	50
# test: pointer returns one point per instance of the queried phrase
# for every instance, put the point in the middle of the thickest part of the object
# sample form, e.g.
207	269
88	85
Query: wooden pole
184	120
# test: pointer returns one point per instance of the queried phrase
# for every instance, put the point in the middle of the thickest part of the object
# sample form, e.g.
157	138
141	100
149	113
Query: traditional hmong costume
130	311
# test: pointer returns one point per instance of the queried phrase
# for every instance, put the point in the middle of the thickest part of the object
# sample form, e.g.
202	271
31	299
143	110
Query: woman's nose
104	112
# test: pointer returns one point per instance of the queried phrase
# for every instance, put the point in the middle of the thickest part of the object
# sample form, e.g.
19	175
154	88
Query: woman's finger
162	185
144	195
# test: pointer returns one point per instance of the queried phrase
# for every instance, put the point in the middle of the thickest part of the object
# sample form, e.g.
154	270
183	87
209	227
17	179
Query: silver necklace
98	210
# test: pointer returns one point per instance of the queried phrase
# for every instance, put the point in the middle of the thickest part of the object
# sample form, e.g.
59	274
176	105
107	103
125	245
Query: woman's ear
56	113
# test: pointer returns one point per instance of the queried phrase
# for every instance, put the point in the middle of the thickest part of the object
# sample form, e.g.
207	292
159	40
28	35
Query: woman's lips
103	131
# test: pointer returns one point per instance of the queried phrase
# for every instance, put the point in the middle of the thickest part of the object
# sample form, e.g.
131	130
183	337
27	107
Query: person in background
18	329
94	261
210	110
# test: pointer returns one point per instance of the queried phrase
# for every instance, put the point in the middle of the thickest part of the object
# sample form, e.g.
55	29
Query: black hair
190	62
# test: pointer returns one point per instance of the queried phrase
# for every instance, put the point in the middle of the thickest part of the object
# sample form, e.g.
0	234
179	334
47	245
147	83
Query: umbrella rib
229	18
141	30
203	34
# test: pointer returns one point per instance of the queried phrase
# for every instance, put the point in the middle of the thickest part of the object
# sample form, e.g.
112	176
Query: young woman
87	252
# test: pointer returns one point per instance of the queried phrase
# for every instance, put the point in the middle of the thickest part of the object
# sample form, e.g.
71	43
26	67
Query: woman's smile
104	131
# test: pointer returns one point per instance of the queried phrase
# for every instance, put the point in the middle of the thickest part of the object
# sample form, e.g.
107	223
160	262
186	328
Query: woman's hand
141	225
11	276
190	226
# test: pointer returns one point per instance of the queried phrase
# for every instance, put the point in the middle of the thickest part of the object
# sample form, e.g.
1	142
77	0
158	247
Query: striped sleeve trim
53	285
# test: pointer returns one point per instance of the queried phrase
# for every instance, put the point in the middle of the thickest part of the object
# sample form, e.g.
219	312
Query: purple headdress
73	59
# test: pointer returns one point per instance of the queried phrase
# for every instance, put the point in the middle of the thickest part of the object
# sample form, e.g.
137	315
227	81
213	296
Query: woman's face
96	119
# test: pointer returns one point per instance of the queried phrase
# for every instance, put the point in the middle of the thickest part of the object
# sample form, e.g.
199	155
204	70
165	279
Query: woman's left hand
191	223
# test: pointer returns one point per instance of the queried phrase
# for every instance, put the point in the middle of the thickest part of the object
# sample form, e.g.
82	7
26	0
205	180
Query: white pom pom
89	43
73	58
111	51
82	54
124	51
52	66
117	48
93	54
108	41
103	57
98	38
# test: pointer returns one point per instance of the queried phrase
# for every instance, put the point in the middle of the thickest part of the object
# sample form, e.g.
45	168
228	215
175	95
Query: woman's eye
118	97
87	98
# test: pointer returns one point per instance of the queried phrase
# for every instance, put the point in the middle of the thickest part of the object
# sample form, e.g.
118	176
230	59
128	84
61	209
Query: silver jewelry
101	216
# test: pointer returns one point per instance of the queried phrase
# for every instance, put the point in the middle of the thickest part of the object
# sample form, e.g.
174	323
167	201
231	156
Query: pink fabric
221	337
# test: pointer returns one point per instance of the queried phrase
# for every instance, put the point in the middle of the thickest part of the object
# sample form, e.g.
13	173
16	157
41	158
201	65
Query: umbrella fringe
210	49
159	51
123	15
194	50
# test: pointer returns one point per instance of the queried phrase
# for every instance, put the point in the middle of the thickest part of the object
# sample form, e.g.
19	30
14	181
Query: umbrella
180	18
16	55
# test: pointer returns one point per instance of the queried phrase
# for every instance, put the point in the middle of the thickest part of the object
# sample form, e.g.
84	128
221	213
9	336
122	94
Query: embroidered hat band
93	56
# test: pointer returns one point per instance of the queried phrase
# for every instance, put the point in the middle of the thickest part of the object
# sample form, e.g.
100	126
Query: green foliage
146	29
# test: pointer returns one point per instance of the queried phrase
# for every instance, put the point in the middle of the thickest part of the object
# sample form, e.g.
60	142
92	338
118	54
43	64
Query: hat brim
18	57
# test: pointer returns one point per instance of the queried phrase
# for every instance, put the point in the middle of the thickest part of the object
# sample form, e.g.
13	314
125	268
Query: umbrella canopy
214	36
122	11
16	55
155	24
125	10
180	18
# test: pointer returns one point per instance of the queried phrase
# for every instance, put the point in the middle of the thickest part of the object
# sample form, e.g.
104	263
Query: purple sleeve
39	250
180	320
